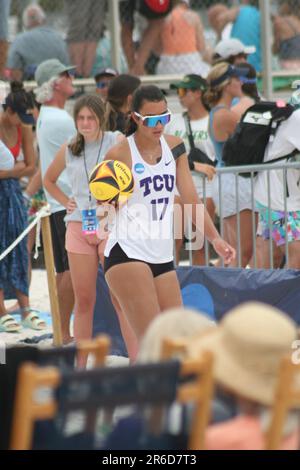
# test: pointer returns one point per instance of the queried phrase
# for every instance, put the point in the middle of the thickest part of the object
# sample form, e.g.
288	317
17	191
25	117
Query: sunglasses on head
153	121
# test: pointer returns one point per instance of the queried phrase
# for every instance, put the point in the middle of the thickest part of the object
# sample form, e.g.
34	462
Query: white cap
231	47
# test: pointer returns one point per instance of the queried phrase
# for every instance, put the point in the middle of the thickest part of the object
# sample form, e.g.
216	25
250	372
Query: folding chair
174	347
201	389
97	347
287	397
65	356
150	385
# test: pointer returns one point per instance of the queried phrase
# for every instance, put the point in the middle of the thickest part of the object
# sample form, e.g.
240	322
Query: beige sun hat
248	346
176	323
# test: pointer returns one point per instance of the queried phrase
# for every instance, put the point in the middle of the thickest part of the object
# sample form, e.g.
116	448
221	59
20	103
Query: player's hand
208	170
92	239
71	205
224	250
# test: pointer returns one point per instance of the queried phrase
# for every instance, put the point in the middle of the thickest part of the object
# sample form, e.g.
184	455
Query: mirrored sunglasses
153	121
181	92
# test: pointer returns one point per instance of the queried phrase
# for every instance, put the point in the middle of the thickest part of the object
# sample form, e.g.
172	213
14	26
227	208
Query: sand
39	299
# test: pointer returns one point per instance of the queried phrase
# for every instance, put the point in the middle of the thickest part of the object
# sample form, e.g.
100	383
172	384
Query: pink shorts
76	241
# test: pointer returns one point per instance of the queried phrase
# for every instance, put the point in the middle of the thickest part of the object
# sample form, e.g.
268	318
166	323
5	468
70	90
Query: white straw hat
248	346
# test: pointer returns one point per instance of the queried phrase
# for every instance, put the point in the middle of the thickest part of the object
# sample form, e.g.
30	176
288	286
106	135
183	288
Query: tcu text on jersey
157	183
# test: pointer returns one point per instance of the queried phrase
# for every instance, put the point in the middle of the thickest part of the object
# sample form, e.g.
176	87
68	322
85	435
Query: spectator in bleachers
154	12
246	27
102	79
38	43
183	48
86	23
248	346
4	9
213	14
103	57
232	51
223	86
286	27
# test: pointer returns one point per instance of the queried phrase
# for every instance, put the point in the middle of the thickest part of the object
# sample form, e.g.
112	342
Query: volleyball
111	181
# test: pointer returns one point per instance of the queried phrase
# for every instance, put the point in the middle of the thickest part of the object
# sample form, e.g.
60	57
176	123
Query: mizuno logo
256	118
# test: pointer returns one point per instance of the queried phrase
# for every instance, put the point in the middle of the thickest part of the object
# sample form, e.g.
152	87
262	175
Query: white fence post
114	21
266	35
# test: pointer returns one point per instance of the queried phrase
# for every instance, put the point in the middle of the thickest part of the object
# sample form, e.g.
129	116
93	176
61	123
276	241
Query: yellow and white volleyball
111	181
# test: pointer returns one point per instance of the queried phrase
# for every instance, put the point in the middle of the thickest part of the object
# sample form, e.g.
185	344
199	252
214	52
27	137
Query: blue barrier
228	287
213	291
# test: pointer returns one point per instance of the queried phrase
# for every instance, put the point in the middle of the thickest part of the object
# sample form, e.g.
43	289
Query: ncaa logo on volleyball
139	168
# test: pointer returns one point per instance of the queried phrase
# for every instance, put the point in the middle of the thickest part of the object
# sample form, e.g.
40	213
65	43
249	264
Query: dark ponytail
18	97
16	86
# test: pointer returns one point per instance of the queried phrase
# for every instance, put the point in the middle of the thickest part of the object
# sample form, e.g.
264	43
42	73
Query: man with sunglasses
102	79
54	127
192	127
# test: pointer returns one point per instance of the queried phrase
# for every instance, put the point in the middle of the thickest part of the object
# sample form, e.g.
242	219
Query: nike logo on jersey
168	163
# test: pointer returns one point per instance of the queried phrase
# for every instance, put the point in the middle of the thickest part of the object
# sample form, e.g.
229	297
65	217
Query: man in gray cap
55	127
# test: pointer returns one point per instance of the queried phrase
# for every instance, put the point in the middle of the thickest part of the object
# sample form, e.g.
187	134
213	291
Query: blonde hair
174	323
213	93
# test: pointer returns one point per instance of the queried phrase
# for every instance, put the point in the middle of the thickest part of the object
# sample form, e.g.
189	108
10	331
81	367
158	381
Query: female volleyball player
79	157
138	260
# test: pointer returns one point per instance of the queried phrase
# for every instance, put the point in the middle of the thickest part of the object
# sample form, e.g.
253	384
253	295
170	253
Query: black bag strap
204	158
189	131
285	157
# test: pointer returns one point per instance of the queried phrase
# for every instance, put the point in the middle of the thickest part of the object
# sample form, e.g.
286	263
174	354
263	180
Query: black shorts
58	232
118	256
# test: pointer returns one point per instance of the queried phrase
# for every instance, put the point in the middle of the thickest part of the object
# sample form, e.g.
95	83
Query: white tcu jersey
143	227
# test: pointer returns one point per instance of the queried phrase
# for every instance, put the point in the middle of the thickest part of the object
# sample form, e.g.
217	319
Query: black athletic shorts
118	256
58	232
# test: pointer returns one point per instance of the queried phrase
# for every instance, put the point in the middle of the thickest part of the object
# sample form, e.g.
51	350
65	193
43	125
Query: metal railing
252	169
